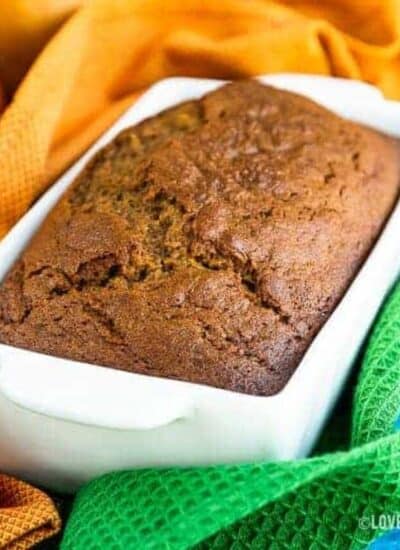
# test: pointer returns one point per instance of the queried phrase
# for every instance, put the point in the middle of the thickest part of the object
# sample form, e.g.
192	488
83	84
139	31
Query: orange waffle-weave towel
27	516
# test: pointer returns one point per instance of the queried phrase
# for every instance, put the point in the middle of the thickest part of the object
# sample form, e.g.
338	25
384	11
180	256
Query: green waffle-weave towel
343	499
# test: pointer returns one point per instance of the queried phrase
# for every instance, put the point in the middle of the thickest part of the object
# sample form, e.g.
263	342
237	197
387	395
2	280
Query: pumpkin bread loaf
209	243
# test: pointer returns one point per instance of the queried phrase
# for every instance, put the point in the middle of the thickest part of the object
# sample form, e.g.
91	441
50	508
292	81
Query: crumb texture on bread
209	243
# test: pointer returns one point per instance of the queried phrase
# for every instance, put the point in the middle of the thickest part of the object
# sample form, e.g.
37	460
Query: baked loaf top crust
209	243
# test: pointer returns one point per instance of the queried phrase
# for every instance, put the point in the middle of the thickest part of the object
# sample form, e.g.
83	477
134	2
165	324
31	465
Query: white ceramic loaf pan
64	422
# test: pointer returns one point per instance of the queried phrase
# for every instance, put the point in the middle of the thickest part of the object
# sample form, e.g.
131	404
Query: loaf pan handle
91	395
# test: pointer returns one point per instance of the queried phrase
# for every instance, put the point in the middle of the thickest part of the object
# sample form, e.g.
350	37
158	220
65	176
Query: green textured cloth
344	499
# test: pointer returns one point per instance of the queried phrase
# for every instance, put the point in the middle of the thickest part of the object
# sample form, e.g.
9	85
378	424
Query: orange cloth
103	53
27	516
